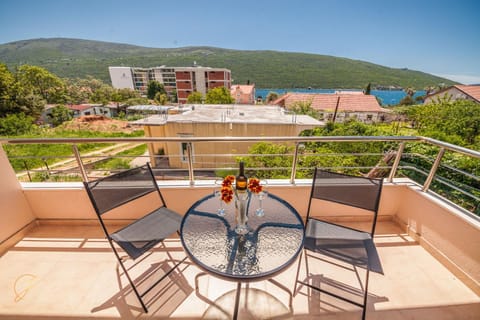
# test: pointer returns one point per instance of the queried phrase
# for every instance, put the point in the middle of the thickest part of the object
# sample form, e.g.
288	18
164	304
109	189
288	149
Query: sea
387	97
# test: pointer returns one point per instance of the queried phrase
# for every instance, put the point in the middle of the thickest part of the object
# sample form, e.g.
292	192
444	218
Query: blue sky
434	36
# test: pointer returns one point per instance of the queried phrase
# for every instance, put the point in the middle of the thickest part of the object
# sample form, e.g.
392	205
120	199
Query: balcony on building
56	264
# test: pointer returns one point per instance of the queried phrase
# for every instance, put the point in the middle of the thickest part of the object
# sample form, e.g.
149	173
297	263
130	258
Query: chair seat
351	246
143	234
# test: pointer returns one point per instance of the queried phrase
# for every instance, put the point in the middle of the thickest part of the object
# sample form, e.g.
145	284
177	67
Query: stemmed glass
218	194
260	212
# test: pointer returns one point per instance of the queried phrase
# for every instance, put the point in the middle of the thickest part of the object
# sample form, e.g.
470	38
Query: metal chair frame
333	194
115	237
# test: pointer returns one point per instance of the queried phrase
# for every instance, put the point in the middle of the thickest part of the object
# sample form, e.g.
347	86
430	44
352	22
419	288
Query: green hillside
74	58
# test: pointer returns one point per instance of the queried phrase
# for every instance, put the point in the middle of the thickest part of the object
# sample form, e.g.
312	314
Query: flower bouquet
228	192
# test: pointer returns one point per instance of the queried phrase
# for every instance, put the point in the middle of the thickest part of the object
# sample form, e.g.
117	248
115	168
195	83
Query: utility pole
336	109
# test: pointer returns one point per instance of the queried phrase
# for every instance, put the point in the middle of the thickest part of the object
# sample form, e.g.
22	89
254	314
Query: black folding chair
144	233
340	245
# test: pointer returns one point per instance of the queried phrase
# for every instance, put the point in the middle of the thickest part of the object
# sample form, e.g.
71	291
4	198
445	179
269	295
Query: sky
440	37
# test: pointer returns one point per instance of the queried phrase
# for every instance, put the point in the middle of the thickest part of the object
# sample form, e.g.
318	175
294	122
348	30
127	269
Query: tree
407	101
271	96
16	124
31	105
219	95
455	122
7	88
195	97
304	107
161	98
38	81
60	114
368	89
153	88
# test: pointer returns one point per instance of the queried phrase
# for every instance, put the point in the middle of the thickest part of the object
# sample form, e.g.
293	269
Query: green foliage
60	114
195	97
7	90
368	89
271	96
112	164
161	98
70	58
34	80
16	124
19	155
305	107
154	87
219	95
456	122
407	101
276	157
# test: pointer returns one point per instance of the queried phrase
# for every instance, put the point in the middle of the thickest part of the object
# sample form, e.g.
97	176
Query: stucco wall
15	212
447	232
206	154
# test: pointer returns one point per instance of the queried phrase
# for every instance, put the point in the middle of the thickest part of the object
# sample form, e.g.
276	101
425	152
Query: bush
16	124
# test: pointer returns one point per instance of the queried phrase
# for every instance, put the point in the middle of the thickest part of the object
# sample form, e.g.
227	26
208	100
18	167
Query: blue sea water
388	97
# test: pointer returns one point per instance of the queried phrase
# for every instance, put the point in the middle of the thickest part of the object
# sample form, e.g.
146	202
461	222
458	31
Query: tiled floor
69	272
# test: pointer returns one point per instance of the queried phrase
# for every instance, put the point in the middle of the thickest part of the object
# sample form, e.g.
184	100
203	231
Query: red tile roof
80	107
472	91
328	102
243	88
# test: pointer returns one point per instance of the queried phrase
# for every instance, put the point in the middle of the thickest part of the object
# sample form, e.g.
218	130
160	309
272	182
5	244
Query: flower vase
241	204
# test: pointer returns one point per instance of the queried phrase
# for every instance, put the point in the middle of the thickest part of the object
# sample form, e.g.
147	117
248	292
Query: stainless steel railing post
294	162
80	163
433	170
393	171
191	176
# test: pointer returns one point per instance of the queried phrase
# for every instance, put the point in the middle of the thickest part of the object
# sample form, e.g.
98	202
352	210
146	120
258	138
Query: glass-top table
271	245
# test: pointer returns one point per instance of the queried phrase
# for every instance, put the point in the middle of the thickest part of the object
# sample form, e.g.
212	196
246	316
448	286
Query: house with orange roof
243	93
338	107
456	92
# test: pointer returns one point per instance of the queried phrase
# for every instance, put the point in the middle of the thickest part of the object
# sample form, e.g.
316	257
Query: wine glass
260	212
218	194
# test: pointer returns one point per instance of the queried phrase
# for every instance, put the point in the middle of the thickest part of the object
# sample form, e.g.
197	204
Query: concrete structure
456	92
183	80
243	93
338	106
219	121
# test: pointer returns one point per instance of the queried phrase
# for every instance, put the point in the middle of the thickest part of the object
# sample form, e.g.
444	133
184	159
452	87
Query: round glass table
272	243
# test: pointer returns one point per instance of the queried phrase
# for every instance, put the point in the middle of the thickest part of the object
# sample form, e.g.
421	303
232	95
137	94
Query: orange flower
254	185
227	193
228	181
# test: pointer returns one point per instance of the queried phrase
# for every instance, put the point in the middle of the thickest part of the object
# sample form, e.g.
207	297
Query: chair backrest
354	191
115	190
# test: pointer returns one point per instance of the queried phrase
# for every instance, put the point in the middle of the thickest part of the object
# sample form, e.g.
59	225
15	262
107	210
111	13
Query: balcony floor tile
69	272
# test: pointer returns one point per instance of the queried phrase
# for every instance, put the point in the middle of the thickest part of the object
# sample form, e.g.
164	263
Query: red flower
254	185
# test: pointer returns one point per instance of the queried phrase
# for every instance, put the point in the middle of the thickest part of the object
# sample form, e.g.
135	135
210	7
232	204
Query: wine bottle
241	180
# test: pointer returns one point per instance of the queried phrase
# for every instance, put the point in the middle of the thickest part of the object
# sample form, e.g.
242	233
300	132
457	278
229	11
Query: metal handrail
297	141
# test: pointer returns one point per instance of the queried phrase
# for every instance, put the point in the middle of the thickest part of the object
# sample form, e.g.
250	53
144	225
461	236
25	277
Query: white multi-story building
183	80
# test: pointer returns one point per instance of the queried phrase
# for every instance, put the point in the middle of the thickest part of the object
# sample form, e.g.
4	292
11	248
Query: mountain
76	58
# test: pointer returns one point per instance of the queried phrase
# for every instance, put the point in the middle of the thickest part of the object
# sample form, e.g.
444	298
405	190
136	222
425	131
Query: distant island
76	58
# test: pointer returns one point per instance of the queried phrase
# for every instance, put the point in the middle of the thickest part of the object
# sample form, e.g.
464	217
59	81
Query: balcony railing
429	169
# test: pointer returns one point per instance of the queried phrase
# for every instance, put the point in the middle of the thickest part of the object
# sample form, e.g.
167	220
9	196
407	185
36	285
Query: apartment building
182	80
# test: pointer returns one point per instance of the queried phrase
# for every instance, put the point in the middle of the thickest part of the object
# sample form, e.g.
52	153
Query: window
369	117
184	151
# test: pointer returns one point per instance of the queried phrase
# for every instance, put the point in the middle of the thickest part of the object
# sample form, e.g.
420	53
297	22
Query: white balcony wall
15	211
